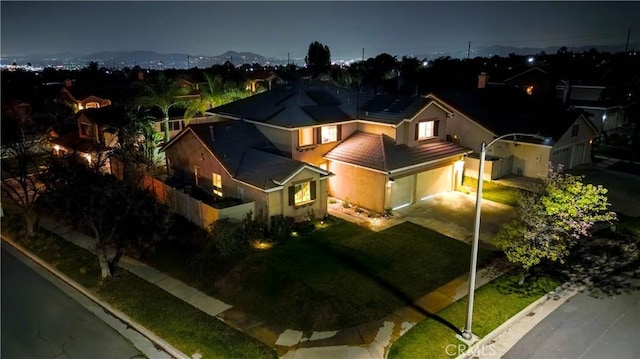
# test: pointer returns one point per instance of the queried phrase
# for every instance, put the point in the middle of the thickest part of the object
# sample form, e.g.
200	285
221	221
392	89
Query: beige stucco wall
319	206
527	160
362	187
430	113
280	138
470	134
377	129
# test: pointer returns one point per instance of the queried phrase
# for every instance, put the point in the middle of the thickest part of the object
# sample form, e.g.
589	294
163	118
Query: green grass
495	303
494	192
335	277
185	327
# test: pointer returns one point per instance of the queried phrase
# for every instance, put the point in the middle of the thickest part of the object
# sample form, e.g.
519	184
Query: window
217	184
92	105
175	125
306	136
426	130
328	134
85	130
302	193
529	90
196	174
574	130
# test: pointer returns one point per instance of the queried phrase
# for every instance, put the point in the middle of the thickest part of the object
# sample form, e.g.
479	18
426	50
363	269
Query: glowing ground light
262	245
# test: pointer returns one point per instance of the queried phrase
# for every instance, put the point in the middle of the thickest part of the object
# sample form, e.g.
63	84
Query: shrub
280	228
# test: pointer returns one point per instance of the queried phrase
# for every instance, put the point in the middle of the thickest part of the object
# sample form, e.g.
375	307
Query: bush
280	228
229	238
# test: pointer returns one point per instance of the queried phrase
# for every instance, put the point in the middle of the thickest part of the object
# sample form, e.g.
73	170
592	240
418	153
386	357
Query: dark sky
275	28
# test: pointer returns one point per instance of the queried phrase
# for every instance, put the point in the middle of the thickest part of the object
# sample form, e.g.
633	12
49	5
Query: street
41	321
586	327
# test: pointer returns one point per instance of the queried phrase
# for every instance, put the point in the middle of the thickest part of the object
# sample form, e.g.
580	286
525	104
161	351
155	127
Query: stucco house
483	114
234	159
82	97
385	151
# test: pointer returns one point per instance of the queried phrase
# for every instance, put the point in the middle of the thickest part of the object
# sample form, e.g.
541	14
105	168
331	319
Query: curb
156	340
477	347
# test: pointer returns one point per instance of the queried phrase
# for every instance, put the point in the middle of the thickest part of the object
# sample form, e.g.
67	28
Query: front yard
332	278
493	191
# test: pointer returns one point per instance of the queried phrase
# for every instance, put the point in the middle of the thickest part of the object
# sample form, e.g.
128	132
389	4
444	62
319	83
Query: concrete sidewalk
368	340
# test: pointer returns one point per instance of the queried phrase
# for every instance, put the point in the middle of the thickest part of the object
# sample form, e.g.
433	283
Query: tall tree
553	219
164	94
24	152
215	92
318	58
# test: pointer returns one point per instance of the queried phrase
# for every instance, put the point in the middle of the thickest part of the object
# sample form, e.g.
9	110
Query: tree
121	217
23	154
318	59
164	94
215	92
553	219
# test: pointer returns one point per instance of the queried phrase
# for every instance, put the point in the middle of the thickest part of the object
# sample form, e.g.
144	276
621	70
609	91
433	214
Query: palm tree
215	92
164	94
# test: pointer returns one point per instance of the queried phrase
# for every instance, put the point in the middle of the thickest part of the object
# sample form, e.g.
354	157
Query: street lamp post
467	333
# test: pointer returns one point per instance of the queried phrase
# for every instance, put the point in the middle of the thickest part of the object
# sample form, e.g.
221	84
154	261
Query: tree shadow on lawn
359	267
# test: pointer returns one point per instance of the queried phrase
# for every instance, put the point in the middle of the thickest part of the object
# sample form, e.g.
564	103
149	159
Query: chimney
483	79
140	76
211	133
68	83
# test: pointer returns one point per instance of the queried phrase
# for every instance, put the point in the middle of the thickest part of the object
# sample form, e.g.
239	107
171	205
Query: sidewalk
368	340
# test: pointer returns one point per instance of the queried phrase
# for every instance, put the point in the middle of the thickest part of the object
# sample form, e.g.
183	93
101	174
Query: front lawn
185	327
494	191
334	277
494	304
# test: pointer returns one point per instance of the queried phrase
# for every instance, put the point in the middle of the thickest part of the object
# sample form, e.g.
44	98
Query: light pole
467	333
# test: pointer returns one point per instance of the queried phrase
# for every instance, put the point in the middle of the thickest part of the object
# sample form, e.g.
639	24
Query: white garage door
402	191
434	181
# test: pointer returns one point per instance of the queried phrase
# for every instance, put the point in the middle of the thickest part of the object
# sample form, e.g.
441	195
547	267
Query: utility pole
626	48
469	50
363	54
288	58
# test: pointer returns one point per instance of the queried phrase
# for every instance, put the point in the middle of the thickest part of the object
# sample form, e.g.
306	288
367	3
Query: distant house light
530	60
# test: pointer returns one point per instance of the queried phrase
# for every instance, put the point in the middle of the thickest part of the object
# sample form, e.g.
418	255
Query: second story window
574	130
217	184
426	130
306	136
175	125
85	130
92	105
328	134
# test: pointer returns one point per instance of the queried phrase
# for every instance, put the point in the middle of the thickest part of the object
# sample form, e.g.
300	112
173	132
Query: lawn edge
155	339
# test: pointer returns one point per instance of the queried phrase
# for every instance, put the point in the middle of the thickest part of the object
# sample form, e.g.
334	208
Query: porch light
56	148
88	157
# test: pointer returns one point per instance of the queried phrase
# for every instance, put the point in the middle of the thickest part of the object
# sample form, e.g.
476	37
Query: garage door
434	181
578	152
402	191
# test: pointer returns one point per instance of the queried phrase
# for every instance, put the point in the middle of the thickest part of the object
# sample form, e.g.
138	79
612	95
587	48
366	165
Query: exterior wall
468	132
586	93
431	113
281	138
527	160
361	186
377	129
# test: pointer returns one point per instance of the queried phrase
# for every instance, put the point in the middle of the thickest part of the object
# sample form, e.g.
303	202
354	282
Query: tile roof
505	110
245	152
380	152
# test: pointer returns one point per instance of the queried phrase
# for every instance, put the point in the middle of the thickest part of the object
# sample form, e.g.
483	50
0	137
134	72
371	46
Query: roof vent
211	133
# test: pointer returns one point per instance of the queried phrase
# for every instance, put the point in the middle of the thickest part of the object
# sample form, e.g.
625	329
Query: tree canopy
318	58
553	219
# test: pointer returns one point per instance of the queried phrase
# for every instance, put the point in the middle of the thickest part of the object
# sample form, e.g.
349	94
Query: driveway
453	214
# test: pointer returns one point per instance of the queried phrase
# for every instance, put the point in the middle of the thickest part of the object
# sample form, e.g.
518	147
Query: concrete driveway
453	213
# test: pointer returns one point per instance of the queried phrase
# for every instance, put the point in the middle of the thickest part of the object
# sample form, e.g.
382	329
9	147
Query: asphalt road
41	321
586	327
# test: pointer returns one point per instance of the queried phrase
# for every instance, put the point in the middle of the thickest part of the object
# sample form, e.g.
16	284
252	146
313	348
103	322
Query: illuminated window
196	174
217	184
85	130
302	193
328	134
92	105
426	130
529	90
306	136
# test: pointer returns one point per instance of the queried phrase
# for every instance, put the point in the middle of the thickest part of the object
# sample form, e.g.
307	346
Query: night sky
274	29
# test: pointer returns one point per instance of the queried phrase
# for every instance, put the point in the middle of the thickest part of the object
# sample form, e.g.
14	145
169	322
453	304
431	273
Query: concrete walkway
368	340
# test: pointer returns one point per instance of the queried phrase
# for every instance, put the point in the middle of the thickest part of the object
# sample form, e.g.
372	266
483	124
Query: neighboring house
533	81
267	78
604	113
177	121
484	114
94	139
81	98
385	151
234	159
